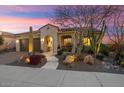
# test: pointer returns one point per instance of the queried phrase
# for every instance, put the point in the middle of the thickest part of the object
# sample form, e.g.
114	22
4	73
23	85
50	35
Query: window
86	41
67	40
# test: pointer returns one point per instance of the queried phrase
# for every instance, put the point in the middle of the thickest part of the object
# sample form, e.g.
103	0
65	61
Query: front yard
99	66
106	65
13	59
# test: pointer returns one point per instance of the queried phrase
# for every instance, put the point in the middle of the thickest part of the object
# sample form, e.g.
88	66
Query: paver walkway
52	62
12	76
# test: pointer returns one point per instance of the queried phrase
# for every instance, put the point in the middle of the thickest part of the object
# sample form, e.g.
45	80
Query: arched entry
48	40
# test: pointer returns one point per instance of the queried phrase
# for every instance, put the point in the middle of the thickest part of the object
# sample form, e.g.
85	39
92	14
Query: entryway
48	44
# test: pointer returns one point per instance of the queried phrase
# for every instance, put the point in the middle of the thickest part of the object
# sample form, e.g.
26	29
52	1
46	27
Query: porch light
42	39
17	41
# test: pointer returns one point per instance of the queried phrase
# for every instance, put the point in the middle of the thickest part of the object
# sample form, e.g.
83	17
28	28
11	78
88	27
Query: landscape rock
69	59
89	59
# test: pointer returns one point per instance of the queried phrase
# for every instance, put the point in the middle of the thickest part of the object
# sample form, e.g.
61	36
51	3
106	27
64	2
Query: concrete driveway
12	76
10	57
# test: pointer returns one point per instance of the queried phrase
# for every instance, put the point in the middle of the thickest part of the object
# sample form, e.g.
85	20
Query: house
9	40
49	37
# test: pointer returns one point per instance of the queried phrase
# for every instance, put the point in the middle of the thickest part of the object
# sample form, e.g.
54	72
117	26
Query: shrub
104	49
112	47
100	56
35	59
87	49
64	54
61	50
122	64
119	56
80	57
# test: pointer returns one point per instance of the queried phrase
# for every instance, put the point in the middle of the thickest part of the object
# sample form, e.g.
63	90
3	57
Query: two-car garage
24	44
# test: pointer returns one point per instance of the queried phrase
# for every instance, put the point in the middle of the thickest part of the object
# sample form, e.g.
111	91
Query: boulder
69	59
89	59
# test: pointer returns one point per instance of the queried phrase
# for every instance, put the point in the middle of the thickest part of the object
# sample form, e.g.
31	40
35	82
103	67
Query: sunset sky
17	19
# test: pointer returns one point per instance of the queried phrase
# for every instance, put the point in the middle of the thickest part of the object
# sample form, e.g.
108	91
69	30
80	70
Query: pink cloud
14	24
18	20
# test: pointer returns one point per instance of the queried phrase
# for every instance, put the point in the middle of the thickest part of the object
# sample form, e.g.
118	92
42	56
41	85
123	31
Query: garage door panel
36	43
24	44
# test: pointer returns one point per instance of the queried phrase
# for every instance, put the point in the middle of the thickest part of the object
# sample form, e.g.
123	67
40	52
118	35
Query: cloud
15	24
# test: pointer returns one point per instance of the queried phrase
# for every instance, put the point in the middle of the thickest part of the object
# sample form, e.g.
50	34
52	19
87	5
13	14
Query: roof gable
49	25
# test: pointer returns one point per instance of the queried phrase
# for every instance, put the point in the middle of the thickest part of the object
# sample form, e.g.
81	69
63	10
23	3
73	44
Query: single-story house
49	37
9	40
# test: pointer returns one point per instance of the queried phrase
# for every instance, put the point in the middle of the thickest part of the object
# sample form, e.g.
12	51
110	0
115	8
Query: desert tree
78	17
115	31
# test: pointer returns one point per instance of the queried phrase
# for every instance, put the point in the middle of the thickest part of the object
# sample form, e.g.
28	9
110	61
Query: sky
17	19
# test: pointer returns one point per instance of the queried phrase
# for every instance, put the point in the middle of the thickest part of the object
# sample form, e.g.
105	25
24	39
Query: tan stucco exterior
54	33
9	40
51	31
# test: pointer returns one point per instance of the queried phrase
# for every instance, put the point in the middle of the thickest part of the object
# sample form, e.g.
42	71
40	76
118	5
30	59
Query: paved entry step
52	63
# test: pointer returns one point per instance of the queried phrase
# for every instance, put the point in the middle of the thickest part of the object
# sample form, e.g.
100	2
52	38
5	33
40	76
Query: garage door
37	45
24	44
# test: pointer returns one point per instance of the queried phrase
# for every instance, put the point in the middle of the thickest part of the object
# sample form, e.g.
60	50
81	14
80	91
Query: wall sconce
17	41
42	40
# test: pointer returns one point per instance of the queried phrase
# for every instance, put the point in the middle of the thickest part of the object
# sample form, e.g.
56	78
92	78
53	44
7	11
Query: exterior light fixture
17	41
42	39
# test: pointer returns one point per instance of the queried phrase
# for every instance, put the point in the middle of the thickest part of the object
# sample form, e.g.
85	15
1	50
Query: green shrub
64	54
104	49
122	64
61	50
100	56
87	49
119	56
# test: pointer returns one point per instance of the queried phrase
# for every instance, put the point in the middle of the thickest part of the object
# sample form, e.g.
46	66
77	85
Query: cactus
96	40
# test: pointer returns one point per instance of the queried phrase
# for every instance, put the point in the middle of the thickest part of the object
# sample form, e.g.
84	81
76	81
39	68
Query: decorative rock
112	54
69	59
89	59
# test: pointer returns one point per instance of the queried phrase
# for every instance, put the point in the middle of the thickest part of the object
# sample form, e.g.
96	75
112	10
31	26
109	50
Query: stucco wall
9	41
49	30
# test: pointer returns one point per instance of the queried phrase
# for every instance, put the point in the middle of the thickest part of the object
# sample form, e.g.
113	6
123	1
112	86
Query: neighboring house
49	37
9	40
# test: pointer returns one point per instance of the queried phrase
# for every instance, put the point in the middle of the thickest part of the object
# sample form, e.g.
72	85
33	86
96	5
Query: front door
49	44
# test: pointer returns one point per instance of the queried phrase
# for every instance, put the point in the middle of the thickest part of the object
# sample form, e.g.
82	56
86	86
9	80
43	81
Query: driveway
12	76
10	57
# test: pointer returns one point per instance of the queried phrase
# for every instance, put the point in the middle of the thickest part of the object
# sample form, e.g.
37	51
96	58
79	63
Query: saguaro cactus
31	40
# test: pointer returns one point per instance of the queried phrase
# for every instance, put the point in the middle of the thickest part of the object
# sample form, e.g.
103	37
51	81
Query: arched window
66	40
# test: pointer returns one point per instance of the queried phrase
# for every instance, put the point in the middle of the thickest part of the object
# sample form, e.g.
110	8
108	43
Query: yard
107	60
105	65
99	66
13	59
